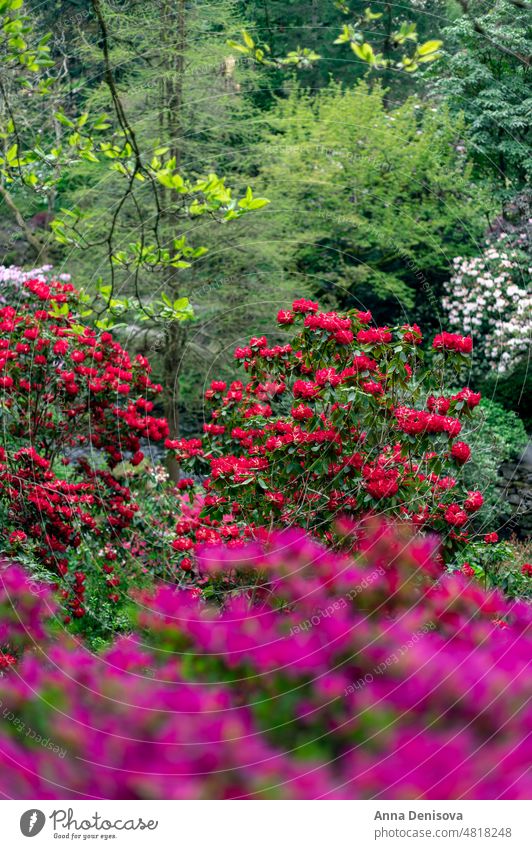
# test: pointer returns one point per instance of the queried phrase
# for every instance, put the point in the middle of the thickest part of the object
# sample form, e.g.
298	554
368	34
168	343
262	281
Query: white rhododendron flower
490	294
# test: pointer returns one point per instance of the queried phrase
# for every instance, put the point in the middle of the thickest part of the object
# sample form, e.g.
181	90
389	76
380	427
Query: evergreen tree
486	75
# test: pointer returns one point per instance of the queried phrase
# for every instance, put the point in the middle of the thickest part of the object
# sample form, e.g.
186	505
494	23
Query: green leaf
248	41
371	16
258	203
236	46
429	47
364	52
63	119
430	58
181	304
345	36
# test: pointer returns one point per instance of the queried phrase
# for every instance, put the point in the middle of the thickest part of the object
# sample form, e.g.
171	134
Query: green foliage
21	51
384	40
498	565
513	391
369	206
497	437
133	171
485	74
506	427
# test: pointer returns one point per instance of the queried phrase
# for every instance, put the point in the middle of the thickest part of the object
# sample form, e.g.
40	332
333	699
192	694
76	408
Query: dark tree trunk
171	91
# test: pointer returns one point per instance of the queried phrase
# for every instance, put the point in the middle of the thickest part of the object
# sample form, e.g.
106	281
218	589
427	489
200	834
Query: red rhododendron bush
344	418
74	404
323	676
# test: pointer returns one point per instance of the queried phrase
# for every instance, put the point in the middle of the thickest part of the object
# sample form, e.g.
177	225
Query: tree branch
38	246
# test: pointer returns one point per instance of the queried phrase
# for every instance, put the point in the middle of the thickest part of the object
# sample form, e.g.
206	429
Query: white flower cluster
488	297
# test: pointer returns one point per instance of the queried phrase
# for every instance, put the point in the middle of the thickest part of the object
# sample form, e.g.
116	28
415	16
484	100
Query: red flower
461	452
258	341
327	375
454	515
382	488
243	353
412	334
301	412
276	498
438	405
381	483
492	537
526	569
17	536
6	660
362	362
306	389
182	544
474	501
472	399
285	317
453	342
374	335
372	387
303	305
214	429
185	483
343	337
60	347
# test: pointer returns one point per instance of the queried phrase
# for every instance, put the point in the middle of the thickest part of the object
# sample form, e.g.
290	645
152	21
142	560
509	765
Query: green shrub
496	436
513	391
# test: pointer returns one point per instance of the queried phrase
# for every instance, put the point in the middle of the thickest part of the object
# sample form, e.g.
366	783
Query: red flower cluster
73	395
303	305
418	421
472	399
453	342
306	389
337	326
455	515
374	336
461	452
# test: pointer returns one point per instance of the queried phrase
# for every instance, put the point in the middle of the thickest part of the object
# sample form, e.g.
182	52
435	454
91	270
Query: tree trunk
387	53
171	91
